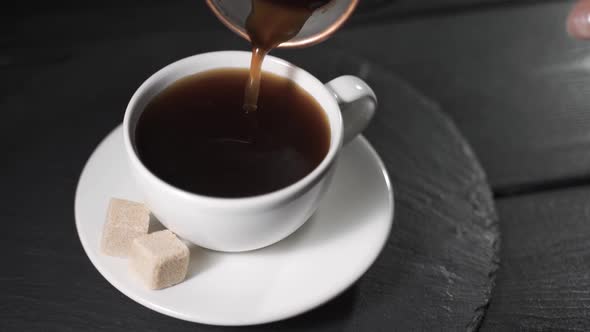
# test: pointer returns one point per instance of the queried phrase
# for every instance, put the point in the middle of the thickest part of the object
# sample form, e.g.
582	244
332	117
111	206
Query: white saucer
319	261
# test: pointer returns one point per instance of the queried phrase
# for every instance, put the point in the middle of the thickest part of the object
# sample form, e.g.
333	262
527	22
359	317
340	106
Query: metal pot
321	25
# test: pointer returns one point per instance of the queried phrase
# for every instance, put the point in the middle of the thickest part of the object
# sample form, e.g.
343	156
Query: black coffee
196	136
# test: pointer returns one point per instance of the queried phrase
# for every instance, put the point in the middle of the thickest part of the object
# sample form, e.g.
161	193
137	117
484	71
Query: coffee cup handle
357	103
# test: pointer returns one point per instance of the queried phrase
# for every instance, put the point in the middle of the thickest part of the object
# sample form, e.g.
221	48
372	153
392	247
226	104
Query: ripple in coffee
195	135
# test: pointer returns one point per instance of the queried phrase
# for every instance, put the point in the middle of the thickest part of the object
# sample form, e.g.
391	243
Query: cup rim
281	194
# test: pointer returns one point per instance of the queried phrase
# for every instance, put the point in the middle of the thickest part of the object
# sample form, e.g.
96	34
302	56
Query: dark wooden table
505	72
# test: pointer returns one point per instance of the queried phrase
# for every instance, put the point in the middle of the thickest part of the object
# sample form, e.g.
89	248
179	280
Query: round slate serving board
437	270
435	273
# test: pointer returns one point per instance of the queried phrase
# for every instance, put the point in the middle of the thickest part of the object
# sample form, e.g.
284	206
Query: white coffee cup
240	224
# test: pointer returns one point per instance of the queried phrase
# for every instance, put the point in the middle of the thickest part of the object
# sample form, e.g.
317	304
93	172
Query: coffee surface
196	136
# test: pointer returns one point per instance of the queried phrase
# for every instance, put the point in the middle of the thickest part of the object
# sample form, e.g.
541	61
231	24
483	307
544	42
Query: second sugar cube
159	259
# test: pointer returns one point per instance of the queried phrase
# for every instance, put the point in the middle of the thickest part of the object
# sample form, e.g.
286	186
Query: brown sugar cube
159	259
126	221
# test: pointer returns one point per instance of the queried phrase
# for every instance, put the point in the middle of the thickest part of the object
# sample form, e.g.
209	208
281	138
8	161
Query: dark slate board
543	283
511	78
435	271
445	224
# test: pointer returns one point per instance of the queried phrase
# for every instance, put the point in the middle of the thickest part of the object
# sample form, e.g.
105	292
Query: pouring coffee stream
270	23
